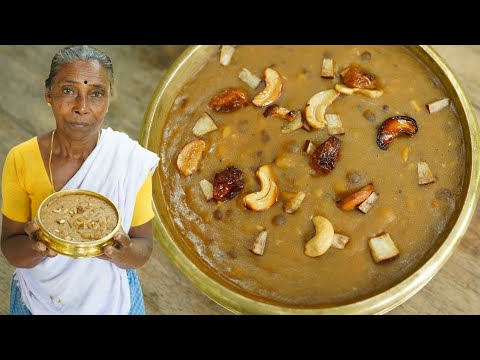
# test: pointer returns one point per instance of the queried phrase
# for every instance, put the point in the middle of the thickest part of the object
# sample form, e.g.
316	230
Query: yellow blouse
25	184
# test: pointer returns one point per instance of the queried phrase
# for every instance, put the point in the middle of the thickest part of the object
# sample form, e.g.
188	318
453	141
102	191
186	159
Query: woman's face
79	96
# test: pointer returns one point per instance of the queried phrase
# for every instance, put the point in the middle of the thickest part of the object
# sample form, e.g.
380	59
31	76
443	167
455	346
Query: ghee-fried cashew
268	195
323	238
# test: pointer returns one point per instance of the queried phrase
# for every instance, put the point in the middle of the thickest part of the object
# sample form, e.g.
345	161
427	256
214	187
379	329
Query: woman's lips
78	124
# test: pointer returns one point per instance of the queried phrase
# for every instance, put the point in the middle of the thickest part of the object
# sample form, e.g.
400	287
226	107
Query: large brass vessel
229	297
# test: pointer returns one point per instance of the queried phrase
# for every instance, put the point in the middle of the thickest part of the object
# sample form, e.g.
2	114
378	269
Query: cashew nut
294	203
189	158
272	91
323	238
344	89
268	195
316	107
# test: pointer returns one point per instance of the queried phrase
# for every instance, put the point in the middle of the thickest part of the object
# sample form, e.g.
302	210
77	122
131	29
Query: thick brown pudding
79	217
326	182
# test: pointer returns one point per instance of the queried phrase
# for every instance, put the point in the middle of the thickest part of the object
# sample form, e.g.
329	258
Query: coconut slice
294	203
291	126
425	175
438	105
226	53
382	248
339	241
327	69
250	79
334	124
258	246
204	125
367	204
309	148
207	189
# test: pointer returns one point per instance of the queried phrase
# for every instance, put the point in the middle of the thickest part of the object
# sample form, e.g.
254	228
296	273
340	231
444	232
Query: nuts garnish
425	175
250	79
227	184
327	69
56	211
325	157
229	100
226	53
368	203
339	241
438	105
382	248
267	196
272	91
207	189
394	126
356	78
281	112
350	202
258	246
204	125
341	88
334	124
294	203
316	107
323	238
309	148
189	158
293	125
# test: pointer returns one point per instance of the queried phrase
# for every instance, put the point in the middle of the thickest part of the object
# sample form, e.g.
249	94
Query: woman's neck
74	149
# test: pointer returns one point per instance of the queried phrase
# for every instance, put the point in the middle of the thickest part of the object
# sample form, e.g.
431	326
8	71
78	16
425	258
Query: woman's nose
81	105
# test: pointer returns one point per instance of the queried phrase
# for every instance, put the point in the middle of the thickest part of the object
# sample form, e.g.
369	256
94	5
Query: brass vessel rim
86	244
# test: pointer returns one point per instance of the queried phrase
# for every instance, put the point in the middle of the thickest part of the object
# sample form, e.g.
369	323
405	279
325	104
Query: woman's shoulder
26	147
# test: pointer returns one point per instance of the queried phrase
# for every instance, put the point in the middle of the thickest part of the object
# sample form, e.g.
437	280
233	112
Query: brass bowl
205	279
76	249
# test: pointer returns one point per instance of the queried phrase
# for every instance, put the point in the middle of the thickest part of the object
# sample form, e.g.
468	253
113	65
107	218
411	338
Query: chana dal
312	175
79	217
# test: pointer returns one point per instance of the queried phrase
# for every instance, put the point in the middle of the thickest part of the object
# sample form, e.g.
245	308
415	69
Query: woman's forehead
85	72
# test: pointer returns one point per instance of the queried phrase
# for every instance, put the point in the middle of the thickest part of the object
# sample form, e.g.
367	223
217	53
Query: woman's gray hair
82	53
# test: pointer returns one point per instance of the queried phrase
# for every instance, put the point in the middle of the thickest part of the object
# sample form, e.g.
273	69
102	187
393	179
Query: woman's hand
38	246
118	252
131	250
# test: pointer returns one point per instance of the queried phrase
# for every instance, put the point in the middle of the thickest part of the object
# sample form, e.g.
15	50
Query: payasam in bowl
311	179
78	223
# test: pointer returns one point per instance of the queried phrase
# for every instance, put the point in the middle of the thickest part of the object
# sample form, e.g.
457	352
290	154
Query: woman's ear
48	97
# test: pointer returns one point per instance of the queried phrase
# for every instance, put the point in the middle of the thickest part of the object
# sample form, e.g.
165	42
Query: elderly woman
78	153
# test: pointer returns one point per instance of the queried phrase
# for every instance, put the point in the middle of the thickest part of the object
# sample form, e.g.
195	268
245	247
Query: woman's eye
97	94
67	91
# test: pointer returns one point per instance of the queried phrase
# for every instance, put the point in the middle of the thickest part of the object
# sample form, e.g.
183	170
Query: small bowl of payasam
311	179
78	223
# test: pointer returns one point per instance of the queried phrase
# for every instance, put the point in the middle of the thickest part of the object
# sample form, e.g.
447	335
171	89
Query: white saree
116	168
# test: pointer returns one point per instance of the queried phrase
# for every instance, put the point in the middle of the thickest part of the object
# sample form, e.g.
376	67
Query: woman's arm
20	244
133	250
